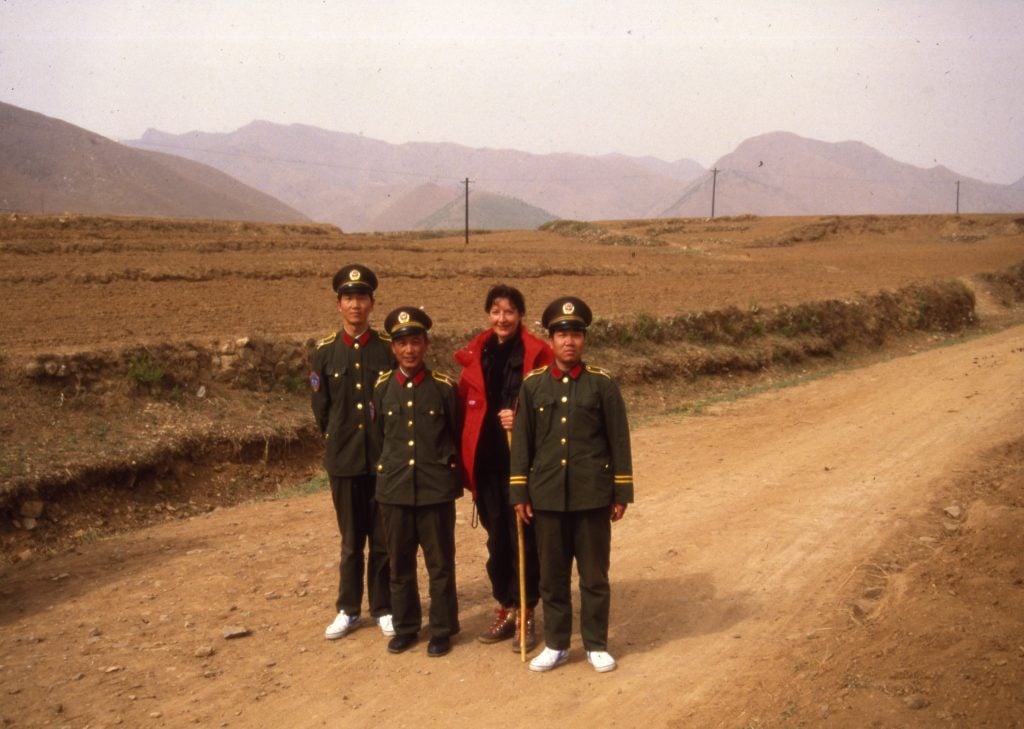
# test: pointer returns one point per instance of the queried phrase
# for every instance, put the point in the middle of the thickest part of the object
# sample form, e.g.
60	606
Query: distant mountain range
783	174
274	172
47	165
366	184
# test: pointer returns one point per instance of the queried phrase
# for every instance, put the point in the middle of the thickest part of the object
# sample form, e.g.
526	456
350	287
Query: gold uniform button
359	385
563	418
359	406
411	443
409	384
565	398
355	346
380	466
412	461
409	404
565	380
410	423
563	441
360	426
390	413
337	374
357	365
563	461
541	408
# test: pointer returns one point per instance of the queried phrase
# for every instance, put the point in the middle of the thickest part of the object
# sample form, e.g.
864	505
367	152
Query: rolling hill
48	165
486	211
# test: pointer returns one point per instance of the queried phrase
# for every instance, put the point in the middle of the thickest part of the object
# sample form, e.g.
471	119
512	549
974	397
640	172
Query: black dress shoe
402	642
438	647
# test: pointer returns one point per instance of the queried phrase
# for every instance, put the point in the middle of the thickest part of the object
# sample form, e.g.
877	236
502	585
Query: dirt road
757	526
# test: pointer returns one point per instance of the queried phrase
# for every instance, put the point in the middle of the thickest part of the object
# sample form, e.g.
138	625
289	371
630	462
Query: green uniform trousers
356	511
432	528
585	536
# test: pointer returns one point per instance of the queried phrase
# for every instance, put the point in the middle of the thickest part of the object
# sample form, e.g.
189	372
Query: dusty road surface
788	563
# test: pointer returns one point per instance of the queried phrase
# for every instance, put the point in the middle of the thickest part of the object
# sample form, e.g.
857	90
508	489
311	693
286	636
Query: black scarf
502	363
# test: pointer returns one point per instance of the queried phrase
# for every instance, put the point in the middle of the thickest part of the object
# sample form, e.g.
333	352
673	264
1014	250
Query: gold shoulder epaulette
442	377
598	371
384	336
384	377
326	340
537	371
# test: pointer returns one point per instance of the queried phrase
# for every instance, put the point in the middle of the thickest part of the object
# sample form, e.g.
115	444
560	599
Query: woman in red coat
494	365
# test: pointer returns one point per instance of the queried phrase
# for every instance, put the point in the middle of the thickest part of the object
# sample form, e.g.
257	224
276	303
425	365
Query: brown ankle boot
531	632
502	628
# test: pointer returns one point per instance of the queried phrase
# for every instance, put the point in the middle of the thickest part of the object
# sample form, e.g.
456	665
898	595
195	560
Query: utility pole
958	197
466	182
714	181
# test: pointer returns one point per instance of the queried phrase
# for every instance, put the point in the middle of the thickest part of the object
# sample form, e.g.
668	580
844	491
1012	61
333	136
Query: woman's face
504	318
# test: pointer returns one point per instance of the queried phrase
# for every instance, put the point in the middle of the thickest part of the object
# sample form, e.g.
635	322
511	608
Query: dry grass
1008	285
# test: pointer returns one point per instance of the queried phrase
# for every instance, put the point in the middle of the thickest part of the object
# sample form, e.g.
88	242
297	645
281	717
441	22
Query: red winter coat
473	392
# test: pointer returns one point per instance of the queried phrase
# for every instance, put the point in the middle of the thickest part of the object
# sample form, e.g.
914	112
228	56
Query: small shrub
145	370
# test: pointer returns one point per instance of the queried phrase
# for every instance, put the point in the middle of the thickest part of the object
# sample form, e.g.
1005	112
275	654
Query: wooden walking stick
521	539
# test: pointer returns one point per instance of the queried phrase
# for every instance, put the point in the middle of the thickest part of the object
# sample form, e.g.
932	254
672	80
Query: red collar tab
574	373
415	379
350	341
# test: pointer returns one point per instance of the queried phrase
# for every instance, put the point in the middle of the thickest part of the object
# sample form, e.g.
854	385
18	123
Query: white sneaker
387	627
342	625
601	661
549	658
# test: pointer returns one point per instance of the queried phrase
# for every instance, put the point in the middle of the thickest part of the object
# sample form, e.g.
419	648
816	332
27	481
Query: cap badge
568	308
403	317
354	274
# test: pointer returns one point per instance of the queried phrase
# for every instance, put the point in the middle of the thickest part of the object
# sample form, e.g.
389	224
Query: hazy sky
923	81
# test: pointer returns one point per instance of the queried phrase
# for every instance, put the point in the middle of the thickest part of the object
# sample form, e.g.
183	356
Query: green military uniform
344	370
571	461
344	373
418	479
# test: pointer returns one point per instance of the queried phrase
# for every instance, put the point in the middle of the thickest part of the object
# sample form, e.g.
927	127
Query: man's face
355	311
410	351
568	346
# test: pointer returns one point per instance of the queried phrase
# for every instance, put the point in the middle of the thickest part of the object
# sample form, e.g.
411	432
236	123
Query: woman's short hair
504	291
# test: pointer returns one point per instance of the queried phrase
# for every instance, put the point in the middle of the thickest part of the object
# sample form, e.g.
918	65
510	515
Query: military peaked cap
567	312
354	279
406	320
